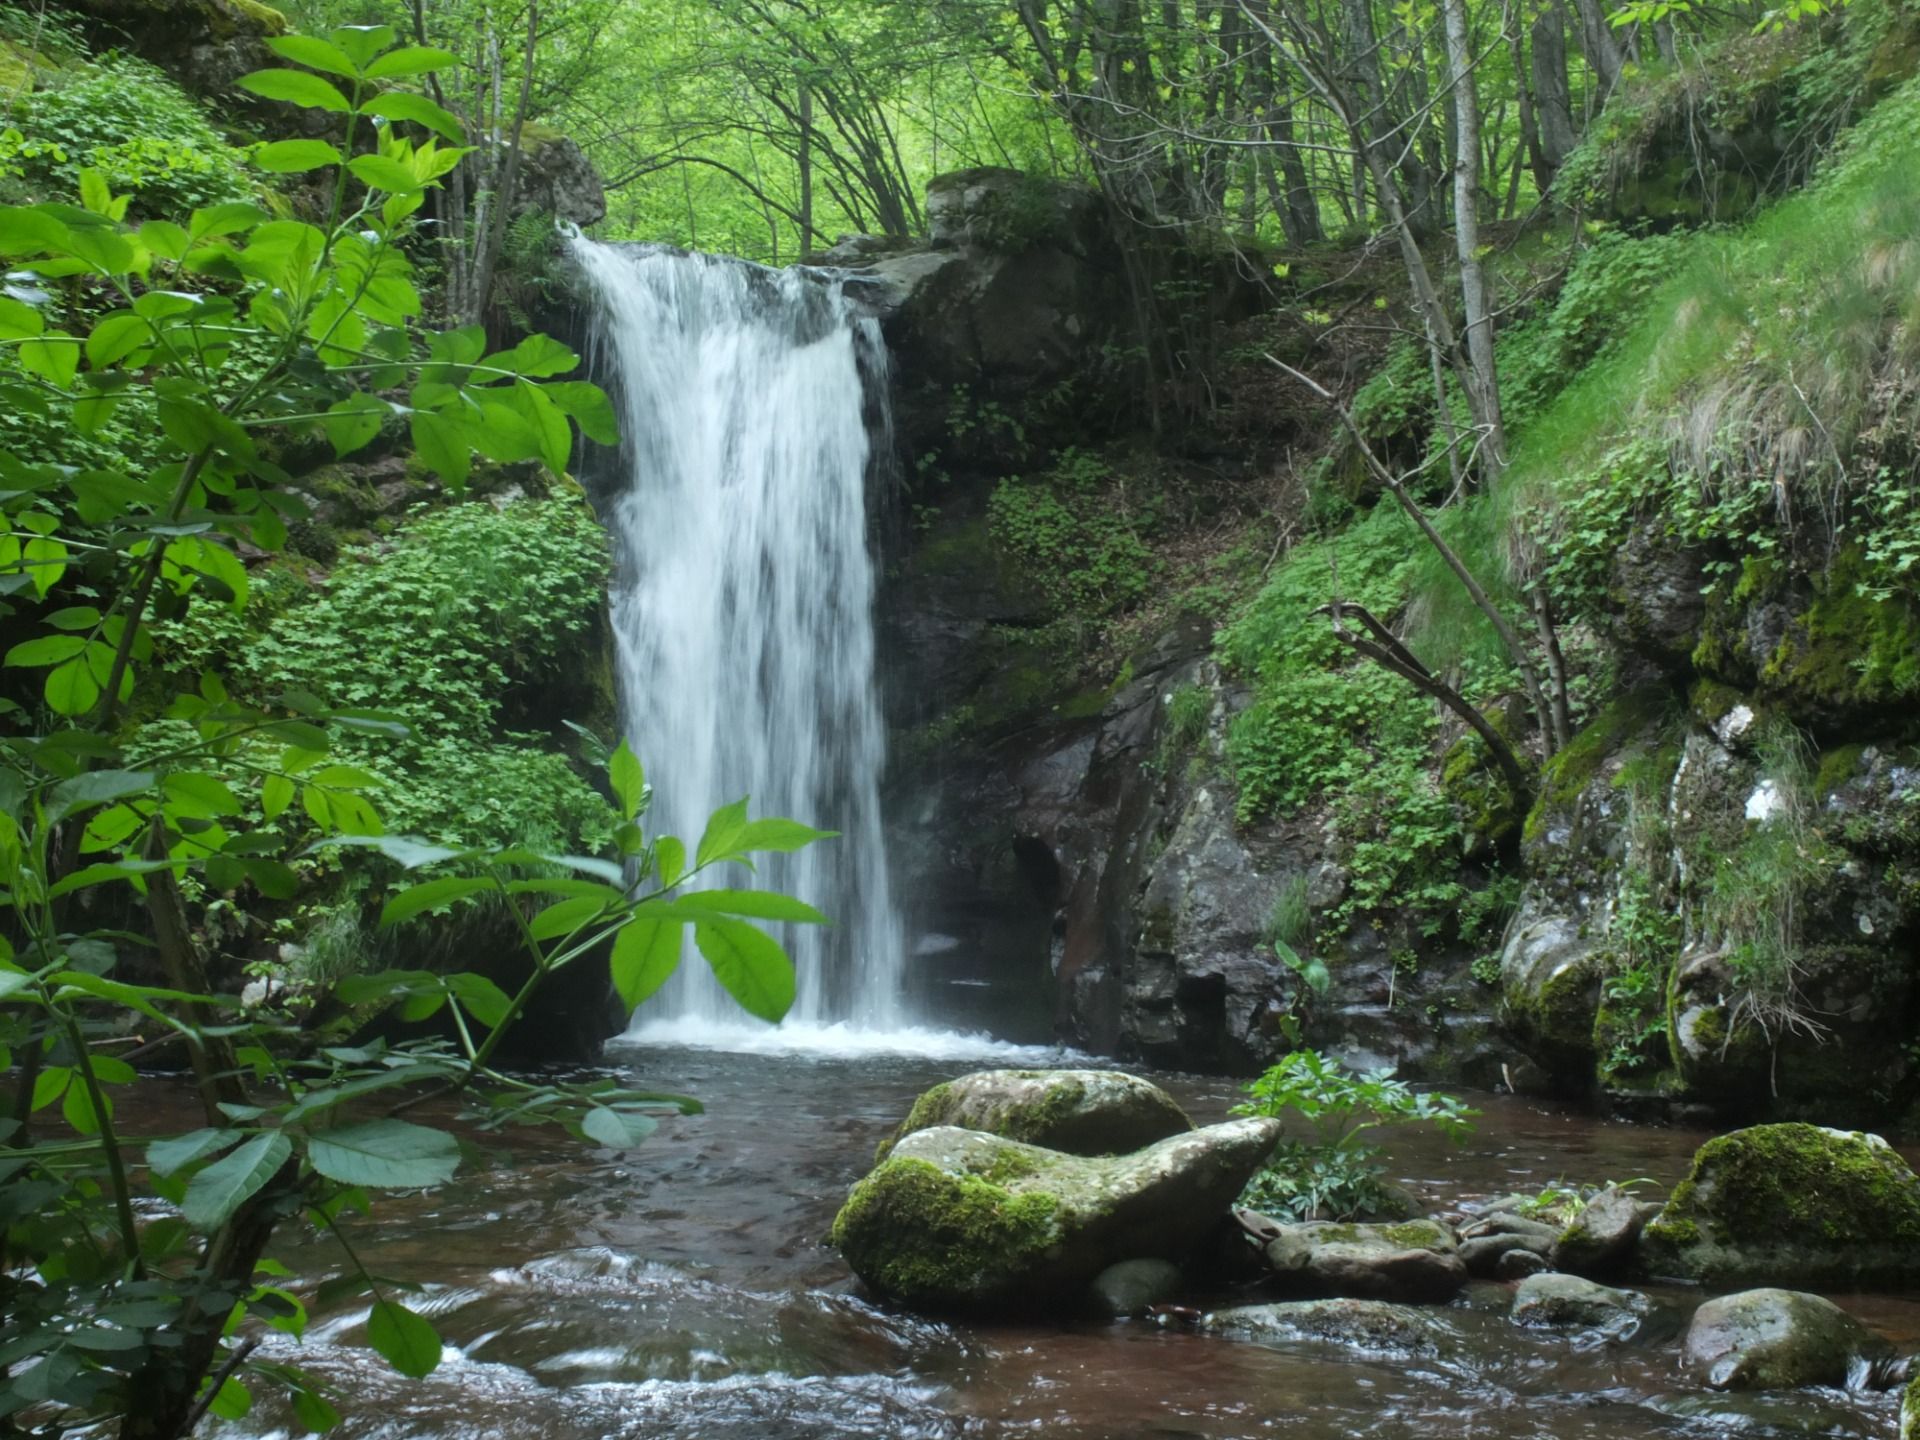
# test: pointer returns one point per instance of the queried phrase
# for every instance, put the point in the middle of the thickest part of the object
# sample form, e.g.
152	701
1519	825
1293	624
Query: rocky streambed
688	1289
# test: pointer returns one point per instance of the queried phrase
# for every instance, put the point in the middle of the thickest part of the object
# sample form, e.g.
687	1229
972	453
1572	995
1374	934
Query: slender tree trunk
806	167
495	233
1601	45
1552	94
1466	231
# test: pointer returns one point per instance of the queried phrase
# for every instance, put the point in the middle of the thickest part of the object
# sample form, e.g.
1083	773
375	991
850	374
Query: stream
683	1289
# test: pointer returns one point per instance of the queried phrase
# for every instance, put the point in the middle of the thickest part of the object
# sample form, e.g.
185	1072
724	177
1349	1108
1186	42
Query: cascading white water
743	593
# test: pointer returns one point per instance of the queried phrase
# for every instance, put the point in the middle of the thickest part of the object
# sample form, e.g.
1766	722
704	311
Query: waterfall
743	594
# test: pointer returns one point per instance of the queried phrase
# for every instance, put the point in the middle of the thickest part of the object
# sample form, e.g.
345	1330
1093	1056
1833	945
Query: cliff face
1133	815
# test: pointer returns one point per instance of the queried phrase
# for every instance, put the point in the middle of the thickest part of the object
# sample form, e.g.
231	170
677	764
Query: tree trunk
1601	46
806	167
1466	232
1552	95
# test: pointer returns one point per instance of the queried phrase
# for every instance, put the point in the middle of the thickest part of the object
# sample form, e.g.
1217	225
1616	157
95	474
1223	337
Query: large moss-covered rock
1793	1203
1777	1340
958	1219
1080	1112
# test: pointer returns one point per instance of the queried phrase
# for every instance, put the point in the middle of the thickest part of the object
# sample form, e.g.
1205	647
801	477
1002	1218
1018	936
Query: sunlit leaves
295	88
749	964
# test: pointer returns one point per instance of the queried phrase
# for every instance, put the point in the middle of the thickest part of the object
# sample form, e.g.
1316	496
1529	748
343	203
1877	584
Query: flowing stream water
743	593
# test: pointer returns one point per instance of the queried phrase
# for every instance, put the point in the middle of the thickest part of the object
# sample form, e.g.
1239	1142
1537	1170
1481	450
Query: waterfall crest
743	593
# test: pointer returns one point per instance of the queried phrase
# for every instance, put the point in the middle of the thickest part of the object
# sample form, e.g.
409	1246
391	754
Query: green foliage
1078	534
126	120
246	334
1335	1175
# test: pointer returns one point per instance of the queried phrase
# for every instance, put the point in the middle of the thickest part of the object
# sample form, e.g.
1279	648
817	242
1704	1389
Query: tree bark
1466	232
1552	94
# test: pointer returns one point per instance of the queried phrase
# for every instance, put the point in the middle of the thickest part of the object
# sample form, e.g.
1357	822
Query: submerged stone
1792	1203
1777	1340
959	1219
1367	1325
1416	1260
1131	1286
1567	1302
1080	1112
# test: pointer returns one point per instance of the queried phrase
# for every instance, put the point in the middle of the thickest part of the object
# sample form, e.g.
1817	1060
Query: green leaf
670	859
628	779
55	359
754	905
292	157
724	828
169	1157
381	172
224	1186
314	53
480	998
404	1339
442	444
410	60
47	650
430	895
534	357
19	321
399	105
777	834
563	917
362	42
589	407
295	88
231	1401
96	787
645	954
199	796
386	1154
352	423
25	231
71	689
750	964
617	1129
164	238
231	218
314	1412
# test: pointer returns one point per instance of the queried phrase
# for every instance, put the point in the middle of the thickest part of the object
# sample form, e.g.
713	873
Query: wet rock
1777	1340
1601	1239
1080	1112
958	1219
1129	1287
1007	211
1794	1203
1366	1325
1483	1254
1567	1302
1414	1261
557	179
1659	589
1550	983
1910	1410
1519	1264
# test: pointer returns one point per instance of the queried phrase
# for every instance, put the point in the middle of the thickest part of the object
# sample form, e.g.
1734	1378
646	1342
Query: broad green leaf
200	796
314	53
169	1157
628	779
96	787
55	359
385	1154
442	444
382	172
404	1339
777	834
589	407
399	105
292	157
47	650
721	837
754	905
534	358
410	60
231	218
314	1412
231	1401
77	1106
749	964
352	423
617	1129
670	859
25	231
645	954
430	895
362	42
19	321
223	1187
565	916
276	793
295	88
480	998
408	854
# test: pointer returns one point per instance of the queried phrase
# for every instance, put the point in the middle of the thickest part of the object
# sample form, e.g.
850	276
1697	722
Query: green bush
1077	535
123	118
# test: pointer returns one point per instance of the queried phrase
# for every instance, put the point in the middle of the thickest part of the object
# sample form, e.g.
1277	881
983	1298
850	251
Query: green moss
931	1109
1793	1196
1711	702
1568	773
921	1235
1037	1122
1837	766
1848	650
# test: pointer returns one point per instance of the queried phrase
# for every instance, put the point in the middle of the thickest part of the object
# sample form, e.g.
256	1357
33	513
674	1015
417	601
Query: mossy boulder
1777	1340
1794	1203
962	1220
1602	1238
1080	1112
